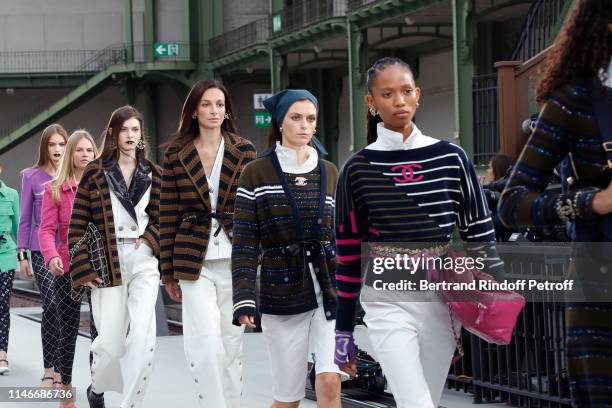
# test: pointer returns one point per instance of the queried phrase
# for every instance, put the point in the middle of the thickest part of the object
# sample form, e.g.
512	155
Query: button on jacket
9	224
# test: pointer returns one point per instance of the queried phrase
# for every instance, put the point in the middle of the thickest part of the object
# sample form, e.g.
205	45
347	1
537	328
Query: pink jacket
56	218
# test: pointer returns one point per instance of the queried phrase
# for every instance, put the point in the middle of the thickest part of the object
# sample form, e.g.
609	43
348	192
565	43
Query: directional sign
258	99
166	49
262	119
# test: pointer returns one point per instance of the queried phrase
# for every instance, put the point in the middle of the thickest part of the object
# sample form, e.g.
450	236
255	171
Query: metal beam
358	54
43	81
463	71
376	13
279	74
309	35
129	30
149	29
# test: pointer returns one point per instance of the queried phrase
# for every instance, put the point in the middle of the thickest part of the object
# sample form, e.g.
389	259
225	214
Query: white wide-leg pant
114	310
213	345
414	344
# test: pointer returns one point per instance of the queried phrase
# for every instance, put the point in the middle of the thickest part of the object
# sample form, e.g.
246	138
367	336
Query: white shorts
289	339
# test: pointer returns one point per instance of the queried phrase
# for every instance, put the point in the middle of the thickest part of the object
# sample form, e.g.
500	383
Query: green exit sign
166	49
262	119
276	23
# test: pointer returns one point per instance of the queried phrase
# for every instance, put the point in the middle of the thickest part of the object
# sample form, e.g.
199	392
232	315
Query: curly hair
583	47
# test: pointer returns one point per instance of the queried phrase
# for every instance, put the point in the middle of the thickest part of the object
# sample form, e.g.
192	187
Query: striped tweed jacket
267	226
183	237
93	204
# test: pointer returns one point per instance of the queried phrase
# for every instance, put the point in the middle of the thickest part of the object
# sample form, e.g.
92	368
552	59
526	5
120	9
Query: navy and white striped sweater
416	195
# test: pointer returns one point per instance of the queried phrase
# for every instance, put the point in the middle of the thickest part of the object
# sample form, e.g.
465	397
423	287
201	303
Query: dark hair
500	163
43	147
110	150
274	133
188	127
583	47
371	120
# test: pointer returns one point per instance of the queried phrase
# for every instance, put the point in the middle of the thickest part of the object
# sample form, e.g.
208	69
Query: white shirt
388	140
219	247
289	161
608	81
125	226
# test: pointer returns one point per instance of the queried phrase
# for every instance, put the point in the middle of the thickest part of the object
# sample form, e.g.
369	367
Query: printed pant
6	286
68	317
49	324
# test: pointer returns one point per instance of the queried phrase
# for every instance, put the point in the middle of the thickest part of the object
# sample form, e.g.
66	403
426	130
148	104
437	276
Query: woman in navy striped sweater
403	187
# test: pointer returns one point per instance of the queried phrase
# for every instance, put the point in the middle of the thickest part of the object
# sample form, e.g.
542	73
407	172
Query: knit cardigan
267	227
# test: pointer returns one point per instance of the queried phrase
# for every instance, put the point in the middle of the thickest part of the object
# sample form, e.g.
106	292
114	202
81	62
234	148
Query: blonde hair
66	169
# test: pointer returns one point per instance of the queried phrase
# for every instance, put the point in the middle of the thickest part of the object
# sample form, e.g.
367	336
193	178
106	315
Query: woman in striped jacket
118	198
283	216
201	170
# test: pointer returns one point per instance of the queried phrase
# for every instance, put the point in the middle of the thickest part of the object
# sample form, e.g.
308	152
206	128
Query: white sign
258	99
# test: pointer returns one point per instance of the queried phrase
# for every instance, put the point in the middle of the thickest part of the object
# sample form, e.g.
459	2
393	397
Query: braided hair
372	121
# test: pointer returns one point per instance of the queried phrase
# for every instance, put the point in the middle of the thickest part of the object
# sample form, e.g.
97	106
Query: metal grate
303	13
255	32
486	119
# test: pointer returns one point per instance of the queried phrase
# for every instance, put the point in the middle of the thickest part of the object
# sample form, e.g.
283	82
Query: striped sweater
415	195
271	228
566	125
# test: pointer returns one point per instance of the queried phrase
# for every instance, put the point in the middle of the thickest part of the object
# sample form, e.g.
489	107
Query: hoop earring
373	112
227	116
140	145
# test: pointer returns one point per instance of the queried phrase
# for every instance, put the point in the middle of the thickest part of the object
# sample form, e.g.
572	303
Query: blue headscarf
279	104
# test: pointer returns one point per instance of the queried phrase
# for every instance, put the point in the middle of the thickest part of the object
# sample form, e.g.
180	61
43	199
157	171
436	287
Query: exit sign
276	23
166	49
262	119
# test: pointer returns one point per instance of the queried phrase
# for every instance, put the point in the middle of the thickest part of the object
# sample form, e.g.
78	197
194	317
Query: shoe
95	400
68	406
4	369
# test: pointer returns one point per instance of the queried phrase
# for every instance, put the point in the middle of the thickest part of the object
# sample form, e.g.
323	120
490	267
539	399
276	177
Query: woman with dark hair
403	187
576	91
117	204
498	172
50	151
9	224
201	168
283	219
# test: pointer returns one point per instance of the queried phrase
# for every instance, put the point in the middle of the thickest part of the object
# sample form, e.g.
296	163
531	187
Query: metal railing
532	370
486	118
255	32
542	18
355	4
305	12
86	61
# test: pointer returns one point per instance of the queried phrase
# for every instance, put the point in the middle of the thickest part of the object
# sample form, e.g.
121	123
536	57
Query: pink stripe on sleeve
350	279
350	241
347	294
343	259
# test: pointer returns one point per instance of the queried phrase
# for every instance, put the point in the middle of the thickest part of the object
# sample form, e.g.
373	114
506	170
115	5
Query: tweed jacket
93	204
9	224
185	210
268	230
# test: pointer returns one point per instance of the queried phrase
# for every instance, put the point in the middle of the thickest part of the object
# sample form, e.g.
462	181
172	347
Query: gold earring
141	144
373	112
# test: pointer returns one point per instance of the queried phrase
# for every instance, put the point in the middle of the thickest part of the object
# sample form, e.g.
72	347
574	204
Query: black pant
49	324
6	287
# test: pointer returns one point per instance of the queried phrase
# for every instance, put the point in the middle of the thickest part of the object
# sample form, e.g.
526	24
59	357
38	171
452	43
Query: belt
206	217
308	249
125	241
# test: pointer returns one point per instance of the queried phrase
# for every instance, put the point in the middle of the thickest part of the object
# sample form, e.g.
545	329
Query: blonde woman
57	204
50	151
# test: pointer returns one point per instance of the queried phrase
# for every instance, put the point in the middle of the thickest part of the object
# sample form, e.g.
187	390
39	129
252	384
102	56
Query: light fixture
10	91
249	70
409	20
317	49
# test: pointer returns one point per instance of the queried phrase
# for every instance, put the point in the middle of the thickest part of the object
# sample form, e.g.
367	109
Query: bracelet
22	256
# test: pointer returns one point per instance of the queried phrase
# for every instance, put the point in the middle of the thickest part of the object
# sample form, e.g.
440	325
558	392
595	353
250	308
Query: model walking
119	195
201	169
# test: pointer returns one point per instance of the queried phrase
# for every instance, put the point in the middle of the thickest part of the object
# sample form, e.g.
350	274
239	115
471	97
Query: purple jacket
32	190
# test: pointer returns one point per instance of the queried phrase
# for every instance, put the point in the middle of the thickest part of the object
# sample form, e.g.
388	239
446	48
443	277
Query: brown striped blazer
184	193
93	204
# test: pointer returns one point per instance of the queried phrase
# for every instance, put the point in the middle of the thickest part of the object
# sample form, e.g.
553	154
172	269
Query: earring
280	129
418	104
227	116
194	116
373	112
140	145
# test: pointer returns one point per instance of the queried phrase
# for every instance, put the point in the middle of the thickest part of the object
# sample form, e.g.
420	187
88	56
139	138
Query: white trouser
213	345
414	344
114	310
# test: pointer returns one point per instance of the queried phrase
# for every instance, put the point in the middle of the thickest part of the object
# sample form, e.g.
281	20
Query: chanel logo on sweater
407	173
300	181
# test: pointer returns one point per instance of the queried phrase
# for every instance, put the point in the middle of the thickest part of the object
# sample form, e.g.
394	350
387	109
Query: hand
247	320
56	267
344	356
174	291
602	201
482	180
141	241
24	268
93	284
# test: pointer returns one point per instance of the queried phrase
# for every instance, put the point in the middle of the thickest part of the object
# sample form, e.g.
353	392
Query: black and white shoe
95	400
